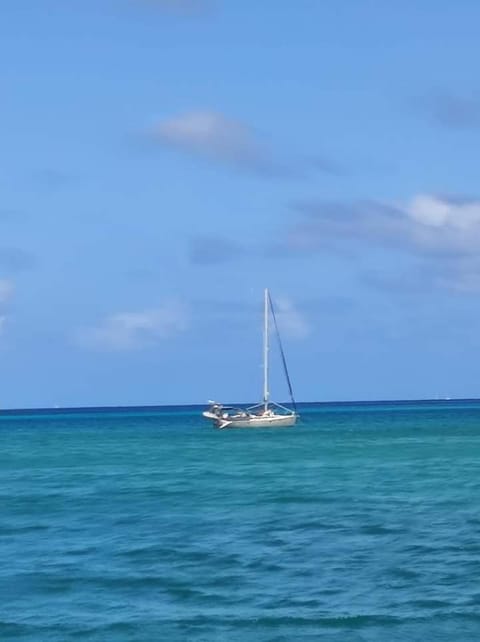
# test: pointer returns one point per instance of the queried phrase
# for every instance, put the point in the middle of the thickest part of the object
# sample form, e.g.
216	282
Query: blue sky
162	161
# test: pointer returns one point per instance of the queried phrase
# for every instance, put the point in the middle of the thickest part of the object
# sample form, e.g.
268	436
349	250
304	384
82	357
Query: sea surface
362	523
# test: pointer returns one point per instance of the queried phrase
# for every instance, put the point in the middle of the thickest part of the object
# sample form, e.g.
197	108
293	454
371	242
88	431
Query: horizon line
240	404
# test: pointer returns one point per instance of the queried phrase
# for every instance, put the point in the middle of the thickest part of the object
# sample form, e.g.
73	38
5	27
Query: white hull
269	421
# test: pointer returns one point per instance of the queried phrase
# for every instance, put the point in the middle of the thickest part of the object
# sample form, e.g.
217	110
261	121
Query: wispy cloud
426	224
439	234
126	331
442	231
211	250
219	138
229	141
15	259
453	111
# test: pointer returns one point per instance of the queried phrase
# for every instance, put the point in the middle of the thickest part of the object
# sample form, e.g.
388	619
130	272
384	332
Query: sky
163	161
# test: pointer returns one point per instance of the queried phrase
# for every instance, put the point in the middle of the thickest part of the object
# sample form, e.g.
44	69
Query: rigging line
282	353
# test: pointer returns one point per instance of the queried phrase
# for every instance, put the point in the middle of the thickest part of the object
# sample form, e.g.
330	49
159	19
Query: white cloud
441	224
290	320
442	232
209	132
217	137
135	330
425	224
6	290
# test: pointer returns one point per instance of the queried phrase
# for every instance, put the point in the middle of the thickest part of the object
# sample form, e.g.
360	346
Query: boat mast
266	393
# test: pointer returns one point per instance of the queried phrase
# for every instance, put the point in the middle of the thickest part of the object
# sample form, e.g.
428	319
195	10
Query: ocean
360	524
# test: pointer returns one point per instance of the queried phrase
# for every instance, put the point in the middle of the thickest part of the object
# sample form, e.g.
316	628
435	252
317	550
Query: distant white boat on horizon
267	413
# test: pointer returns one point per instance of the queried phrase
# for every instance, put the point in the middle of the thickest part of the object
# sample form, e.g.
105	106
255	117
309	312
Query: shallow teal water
362	523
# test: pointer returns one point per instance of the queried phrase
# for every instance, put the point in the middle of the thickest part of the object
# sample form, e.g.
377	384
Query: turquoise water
362	523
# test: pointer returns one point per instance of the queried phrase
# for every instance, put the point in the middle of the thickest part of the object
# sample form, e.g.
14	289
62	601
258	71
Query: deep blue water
362	523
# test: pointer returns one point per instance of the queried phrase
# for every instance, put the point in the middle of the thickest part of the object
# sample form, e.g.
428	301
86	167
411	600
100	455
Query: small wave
14	630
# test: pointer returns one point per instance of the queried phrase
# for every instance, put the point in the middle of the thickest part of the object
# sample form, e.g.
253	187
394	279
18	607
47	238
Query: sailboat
267	413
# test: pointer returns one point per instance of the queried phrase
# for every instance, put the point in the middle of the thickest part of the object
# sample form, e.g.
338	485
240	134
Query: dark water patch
180	556
431	604
293	603
184	592
419	550
127	630
228	581
264	566
82	551
14	631
404	573
465	615
6	530
473	521
43	583
380	529
474	599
